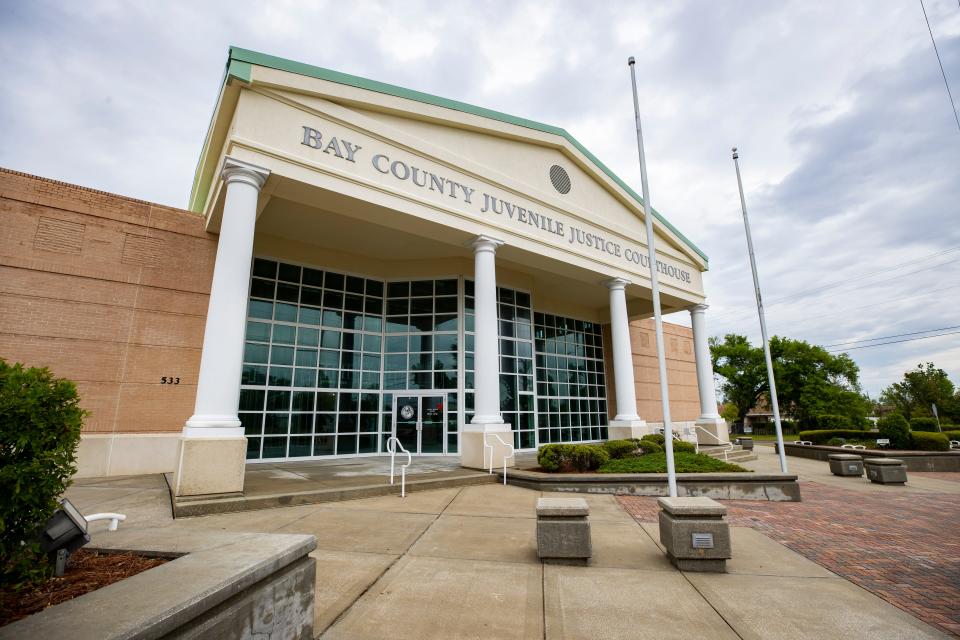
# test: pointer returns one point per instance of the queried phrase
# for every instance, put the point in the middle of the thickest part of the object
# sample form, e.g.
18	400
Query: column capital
698	308
239	171
616	283
485	243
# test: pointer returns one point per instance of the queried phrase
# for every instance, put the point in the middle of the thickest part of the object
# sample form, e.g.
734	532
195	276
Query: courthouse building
358	261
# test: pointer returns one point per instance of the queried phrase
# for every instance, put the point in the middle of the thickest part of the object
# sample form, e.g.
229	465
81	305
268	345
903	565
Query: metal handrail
727	446
505	458
392	444
114	518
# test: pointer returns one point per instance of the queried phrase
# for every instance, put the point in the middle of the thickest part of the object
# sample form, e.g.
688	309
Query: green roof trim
240	61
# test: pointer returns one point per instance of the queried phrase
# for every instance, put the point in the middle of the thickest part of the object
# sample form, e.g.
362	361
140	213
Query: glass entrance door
420	421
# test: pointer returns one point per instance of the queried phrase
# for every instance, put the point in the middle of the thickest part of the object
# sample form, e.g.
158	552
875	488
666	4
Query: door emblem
407	412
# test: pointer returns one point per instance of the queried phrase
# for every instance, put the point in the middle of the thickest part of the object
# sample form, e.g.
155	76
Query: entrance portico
380	245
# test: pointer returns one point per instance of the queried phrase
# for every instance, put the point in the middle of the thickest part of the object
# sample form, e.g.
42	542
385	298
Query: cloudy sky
849	148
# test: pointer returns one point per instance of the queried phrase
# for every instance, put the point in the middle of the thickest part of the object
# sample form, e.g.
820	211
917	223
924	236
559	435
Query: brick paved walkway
905	547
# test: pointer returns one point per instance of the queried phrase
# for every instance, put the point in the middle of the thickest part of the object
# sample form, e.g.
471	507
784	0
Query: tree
743	371
810	381
920	388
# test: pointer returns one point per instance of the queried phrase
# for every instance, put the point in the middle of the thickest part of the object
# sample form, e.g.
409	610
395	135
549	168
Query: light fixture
63	534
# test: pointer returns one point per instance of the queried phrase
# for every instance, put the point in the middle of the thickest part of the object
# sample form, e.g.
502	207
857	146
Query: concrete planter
745	442
221	585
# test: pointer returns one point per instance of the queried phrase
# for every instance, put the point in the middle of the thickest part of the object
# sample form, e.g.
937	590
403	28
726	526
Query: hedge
925	441
40	421
820	436
952	435
923	424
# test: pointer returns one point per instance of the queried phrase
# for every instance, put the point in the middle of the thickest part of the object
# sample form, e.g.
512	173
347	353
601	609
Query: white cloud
849	150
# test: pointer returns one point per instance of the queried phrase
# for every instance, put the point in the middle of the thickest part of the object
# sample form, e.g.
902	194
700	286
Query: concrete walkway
461	563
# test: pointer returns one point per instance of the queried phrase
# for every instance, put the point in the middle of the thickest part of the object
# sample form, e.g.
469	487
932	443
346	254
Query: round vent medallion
560	179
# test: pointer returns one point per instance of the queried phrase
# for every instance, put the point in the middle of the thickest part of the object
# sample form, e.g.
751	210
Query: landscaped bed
644	455
683	462
87	571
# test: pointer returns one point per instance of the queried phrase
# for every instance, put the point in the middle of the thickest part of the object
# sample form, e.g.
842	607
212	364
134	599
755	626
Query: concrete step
737	454
189	507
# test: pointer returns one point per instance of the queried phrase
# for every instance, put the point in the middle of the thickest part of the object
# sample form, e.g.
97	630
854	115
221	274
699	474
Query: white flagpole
763	323
655	288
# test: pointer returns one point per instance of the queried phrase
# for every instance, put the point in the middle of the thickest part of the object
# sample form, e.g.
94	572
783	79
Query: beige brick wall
681	371
108	291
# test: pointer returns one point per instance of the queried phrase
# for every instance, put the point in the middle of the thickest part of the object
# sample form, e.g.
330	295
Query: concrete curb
915	460
774	487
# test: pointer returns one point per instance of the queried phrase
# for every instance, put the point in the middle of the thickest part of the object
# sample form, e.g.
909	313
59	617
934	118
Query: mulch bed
88	570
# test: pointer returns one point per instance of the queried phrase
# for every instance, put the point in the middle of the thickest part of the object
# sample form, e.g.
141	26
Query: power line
898	335
942	72
880	344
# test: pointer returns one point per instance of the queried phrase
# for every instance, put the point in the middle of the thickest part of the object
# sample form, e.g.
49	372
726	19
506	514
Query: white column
712	428
213	446
486	359
627	423
487	427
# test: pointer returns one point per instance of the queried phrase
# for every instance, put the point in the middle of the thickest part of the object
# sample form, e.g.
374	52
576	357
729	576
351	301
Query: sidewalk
461	563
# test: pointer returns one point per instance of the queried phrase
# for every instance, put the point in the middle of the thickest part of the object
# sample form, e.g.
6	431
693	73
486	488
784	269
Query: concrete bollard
846	464
886	470
695	534
563	531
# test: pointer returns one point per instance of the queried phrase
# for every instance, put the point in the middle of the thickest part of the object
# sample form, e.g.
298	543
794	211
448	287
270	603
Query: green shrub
836	442
550	456
683	462
588	457
897	429
39	434
654	437
621	448
952	435
925	441
679	446
571	457
831	421
821	436
923	424
650	446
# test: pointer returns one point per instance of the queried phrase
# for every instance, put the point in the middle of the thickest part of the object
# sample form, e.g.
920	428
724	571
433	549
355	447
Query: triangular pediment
510	153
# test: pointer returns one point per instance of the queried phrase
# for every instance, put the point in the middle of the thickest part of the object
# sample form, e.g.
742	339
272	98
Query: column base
472	452
712	431
210	465
626	429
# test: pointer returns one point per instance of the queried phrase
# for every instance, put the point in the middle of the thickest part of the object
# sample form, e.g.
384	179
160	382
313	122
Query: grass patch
657	463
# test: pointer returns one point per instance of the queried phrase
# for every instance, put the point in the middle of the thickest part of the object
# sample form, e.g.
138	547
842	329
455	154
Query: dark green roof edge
265	60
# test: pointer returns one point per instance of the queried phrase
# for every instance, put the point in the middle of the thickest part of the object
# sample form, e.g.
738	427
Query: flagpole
655	288
763	323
